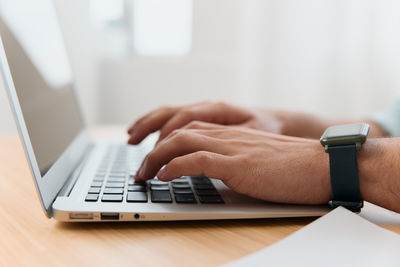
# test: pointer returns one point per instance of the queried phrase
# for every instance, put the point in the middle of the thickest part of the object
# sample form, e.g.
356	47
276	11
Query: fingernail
139	173
161	174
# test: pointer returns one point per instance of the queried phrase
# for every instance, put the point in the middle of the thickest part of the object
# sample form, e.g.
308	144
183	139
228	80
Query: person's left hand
262	165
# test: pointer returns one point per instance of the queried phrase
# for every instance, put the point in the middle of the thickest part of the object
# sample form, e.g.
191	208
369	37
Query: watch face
344	130
345	134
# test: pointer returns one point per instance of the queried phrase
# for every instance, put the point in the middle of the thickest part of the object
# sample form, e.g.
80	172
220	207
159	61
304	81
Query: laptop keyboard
114	182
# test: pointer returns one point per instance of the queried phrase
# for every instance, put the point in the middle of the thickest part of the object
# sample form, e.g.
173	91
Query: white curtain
342	57
336	58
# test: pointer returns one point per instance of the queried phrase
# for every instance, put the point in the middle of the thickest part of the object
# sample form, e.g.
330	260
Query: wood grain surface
27	237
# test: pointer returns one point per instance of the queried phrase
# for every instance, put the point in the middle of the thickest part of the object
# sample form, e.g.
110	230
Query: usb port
109	216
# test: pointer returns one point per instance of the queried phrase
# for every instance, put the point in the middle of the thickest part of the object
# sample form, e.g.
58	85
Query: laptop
78	179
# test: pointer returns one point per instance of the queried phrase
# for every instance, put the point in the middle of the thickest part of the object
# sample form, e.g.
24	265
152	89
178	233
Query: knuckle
175	132
181	136
203	158
193	124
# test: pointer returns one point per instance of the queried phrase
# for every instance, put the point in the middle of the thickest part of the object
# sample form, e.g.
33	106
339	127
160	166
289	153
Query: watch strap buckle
350	205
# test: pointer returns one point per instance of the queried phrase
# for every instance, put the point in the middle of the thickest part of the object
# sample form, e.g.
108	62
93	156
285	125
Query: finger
182	144
180	119
150	123
195	126
201	125
220	113
131	129
198	163
212	130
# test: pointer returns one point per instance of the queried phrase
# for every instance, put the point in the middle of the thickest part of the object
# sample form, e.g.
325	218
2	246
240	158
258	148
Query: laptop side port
109	216
81	216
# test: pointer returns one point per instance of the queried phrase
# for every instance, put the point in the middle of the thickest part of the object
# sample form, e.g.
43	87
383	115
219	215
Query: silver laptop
81	180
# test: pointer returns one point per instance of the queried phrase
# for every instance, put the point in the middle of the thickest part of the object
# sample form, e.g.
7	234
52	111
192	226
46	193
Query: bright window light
162	27
106	12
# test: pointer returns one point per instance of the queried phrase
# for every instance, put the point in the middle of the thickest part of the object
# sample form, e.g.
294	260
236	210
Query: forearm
302	124
379	172
310	126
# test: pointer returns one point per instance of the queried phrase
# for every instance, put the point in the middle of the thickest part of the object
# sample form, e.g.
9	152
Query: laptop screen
42	77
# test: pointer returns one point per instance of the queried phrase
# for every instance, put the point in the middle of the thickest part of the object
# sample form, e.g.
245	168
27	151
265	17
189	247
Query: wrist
321	172
379	173
314	171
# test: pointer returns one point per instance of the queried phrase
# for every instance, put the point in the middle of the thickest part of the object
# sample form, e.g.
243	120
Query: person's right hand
167	119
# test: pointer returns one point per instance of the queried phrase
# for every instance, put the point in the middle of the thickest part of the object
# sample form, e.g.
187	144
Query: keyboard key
179	182
203	186
185	199
158	187
96	184
207	192
118	169
112	198
115	185
114	175
94	190
114	191
98	179
181	179
91	197
181	186
183	191
161	197
115	180
211	200
137	188
158	182
136	197
200	180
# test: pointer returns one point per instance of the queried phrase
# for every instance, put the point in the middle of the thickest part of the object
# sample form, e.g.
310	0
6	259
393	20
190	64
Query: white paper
379	215
340	238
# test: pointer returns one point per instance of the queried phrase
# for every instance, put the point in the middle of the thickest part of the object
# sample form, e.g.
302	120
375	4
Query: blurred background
335	58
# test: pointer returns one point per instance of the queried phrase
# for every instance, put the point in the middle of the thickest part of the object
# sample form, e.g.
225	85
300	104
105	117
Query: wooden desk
28	237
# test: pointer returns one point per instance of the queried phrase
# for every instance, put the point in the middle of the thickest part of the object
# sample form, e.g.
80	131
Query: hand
262	165
167	119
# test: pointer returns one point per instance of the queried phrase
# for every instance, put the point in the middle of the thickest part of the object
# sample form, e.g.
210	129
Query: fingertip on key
162	174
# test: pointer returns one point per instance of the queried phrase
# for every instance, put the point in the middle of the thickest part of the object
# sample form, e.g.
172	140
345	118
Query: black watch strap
344	177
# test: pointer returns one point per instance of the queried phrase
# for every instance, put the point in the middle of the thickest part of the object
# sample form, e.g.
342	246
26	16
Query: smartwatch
342	143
